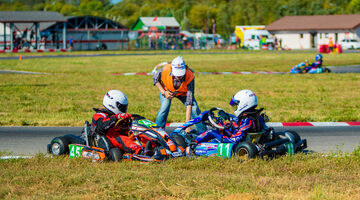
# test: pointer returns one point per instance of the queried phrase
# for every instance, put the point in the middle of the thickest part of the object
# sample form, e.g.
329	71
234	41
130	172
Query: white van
252	38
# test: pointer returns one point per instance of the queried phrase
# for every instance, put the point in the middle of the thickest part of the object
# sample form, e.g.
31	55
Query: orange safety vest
167	81
331	43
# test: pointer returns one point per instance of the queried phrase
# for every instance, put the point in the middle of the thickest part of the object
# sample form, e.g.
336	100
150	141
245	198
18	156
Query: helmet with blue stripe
243	100
318	57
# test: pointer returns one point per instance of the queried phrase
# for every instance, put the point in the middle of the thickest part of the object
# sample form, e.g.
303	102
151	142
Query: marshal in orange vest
167	81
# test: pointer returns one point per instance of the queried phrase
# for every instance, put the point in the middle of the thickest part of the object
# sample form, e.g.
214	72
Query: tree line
200	15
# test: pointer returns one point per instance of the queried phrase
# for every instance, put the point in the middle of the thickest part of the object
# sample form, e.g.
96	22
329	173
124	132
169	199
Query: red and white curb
289	124
203	73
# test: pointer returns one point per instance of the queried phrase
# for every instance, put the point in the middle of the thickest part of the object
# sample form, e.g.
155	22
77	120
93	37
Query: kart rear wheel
179	140
327	70
115	154
293	136
245	151
59	146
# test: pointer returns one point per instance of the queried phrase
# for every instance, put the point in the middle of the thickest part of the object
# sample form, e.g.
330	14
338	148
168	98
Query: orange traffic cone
20	58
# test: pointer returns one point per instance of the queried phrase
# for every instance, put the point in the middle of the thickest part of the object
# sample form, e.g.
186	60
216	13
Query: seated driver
247	120
105	121
318	61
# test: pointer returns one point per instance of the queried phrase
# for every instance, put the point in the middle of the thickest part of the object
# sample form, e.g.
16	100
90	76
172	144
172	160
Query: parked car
350	44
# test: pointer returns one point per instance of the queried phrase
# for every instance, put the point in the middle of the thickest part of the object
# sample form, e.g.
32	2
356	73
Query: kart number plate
75	151
224	150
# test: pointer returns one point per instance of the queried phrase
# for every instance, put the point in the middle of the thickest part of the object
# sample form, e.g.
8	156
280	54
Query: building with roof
305	32
18	26
88	33
50	30
157	32
162	24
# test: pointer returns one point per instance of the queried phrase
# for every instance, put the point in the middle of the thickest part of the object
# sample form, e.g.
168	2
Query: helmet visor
121	107
234	102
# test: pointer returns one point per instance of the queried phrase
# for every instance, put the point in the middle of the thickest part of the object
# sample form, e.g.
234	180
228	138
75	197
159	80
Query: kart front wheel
245	151
115	154
59	146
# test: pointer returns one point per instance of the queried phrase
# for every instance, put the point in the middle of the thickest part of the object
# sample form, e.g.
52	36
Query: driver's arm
245	125
102	122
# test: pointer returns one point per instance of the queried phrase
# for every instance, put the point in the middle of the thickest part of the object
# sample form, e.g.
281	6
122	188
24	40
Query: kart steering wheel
218	121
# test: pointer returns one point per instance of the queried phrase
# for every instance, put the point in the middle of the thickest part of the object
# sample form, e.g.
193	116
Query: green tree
354	7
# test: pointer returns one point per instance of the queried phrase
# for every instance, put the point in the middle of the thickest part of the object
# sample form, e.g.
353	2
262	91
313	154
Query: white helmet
244	99
115	101
178	67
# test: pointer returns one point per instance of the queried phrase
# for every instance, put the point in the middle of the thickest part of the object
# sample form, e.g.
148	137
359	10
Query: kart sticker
224	150
147	123
290	148
75	150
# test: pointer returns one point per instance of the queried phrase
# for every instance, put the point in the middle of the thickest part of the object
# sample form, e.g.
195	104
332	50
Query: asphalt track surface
32	140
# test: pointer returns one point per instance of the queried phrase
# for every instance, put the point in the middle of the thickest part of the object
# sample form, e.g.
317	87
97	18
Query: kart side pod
94	153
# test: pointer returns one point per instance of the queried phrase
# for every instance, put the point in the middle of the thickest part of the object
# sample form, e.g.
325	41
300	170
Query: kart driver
318	61
113	121
248	119
316	67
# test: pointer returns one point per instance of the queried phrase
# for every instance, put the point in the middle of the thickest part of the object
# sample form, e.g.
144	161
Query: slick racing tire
327	70
115	154
292	134
59	146
179	140
245	151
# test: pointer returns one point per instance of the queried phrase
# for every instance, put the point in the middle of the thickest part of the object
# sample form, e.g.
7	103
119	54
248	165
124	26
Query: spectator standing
176	80
71	43
331	45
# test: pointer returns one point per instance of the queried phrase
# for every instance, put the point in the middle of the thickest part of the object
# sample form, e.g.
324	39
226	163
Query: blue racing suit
232	135
316	67
317	63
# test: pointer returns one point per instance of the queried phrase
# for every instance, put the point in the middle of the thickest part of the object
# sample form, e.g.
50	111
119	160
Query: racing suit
317	63
315	67
234	134
104	122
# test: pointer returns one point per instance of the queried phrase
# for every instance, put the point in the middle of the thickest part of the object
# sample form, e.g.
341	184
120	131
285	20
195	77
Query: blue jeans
165	108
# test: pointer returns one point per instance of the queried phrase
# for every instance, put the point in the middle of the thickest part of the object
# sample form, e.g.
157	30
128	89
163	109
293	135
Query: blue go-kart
264	142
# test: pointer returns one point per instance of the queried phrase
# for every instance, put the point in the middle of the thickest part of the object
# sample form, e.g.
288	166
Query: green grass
299	177
75	85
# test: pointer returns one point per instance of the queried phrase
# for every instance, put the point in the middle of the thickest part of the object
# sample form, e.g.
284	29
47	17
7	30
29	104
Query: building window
301	35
